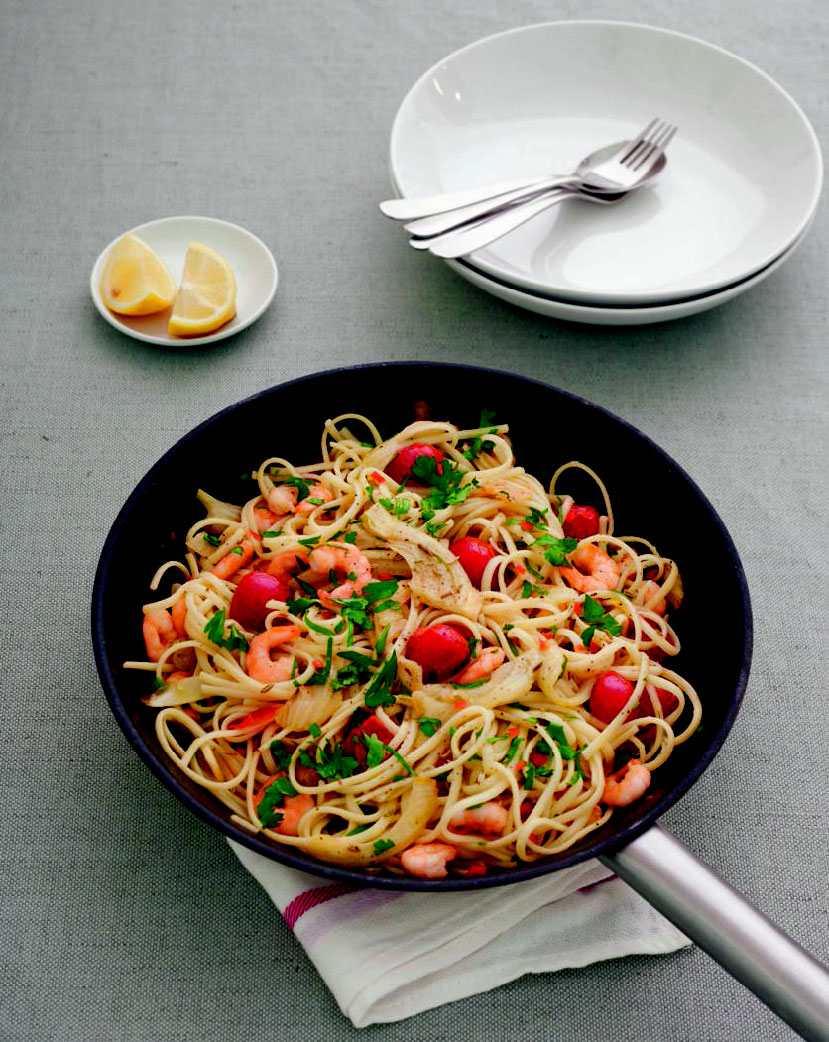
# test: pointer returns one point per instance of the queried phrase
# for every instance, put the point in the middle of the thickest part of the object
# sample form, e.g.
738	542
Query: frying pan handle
723	923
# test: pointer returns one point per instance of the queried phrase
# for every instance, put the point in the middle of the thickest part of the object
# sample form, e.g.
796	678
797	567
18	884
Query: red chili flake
578	608
460	703
513	732
255	535
385	576
317	664
521	765
543	641
376	478
520	569
472	868
526	526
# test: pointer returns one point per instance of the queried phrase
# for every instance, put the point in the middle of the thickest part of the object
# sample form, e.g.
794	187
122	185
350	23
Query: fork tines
645	146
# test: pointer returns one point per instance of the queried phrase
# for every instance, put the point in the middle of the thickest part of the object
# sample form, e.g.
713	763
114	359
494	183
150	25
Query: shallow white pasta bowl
737	192
608	315
253	266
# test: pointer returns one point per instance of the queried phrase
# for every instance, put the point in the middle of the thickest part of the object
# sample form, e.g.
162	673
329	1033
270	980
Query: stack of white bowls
736	198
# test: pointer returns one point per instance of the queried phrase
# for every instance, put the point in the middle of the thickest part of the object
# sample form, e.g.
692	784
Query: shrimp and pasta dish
411	654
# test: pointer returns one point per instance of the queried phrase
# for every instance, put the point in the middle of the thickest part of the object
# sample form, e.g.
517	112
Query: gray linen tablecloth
123	917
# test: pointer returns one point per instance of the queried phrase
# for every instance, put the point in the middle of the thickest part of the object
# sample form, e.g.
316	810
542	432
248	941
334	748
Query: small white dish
252	262
598	315
743	178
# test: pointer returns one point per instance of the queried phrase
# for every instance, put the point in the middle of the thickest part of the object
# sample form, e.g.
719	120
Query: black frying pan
651	496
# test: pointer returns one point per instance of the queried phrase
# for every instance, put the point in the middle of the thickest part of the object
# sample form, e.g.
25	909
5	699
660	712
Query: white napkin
385	953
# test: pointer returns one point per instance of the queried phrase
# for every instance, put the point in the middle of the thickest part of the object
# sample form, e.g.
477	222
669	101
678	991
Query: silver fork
657	134
614	168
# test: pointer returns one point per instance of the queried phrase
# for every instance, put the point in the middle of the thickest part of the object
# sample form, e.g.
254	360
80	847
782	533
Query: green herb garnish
597	619
215	630
429	725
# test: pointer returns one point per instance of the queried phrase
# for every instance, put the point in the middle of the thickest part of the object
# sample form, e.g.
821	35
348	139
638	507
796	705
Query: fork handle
411	209
468	239
436	224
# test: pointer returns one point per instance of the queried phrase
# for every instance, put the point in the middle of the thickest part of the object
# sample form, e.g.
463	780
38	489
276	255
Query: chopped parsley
381	845
358	829
514	746
311	540
322	629
350	537
378	692
375	750
374	597
280	752
429	725
303	489
210	538
331	762
445	484
597	619
474	683
314	730
274	798
215	631
478	444
555	550
320	676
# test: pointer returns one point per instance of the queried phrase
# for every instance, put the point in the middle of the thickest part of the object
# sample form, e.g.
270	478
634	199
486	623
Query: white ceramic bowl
598	315
253	266
742	182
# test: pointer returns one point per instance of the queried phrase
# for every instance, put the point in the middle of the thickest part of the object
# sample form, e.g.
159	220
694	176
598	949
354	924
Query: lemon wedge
136	280
207	297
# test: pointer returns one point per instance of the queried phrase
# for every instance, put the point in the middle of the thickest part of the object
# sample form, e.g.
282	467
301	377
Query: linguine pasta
320	727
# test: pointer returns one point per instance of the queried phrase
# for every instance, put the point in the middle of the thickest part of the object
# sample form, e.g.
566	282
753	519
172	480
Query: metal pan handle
724	924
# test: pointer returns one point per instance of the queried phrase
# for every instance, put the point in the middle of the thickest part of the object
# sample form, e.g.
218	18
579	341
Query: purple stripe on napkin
309	899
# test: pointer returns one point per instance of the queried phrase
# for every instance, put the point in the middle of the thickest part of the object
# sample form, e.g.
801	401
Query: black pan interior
651	496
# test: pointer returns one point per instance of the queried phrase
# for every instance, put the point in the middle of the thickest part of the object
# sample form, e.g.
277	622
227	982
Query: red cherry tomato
375	726
401	466
667	700
581	522
474	555
354	746
439	650
249	603
609	694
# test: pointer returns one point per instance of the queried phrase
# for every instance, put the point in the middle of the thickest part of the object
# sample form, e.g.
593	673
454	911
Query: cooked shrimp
428	860
159	633
285	566
292	810
595	570
327	559
258	662
315	492
263	518
282	500
488	660
490	819
179	614
508	493
626	785
234	559
648	591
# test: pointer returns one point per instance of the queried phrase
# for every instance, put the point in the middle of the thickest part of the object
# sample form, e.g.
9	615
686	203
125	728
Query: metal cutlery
456	223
